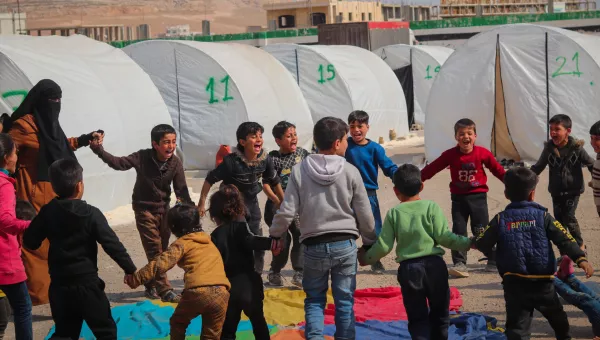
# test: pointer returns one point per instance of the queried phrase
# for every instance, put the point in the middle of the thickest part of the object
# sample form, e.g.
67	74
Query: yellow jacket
196	255
2	294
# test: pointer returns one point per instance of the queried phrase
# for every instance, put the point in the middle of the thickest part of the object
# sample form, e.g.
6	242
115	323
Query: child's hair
159	131
184	219
5	121
227	204
245	129
24	210
407	180
280	128
7	145
328	130
563	120
595	129
464	123
359	116
519	182
64	175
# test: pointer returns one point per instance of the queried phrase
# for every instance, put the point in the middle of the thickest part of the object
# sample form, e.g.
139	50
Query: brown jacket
24	132
196	255
152	189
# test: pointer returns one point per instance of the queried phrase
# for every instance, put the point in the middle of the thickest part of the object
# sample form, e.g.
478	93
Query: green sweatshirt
420	228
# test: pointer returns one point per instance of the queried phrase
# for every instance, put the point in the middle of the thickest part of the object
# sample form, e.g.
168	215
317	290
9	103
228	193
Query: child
236	242
595	184
367	156
73	228
206	287
468	188
330	197
12	272
156	169
245	168
576	293
419	227
289	154
24	211
524	233
565	156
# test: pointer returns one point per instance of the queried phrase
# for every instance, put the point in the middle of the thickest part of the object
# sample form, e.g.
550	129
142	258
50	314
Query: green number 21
210	88
559	71
330	70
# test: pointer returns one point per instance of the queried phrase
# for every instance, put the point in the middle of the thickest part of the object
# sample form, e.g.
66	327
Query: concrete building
471	8
13	23
310	13
106	33
178	31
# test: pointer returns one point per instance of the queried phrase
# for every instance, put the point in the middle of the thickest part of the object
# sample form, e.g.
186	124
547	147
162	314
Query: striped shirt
596	181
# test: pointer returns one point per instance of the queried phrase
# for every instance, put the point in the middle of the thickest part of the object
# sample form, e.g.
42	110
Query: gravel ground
482	292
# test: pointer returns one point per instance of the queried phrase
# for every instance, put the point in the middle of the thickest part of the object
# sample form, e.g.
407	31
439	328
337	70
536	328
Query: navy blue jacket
523	233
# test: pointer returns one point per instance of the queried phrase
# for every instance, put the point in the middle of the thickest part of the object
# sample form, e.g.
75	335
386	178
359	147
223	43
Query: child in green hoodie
420	228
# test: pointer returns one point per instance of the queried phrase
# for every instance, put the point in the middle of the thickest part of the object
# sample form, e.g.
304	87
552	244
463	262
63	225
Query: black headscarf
43	102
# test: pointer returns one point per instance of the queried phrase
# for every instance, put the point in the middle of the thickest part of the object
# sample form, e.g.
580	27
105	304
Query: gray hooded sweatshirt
329	195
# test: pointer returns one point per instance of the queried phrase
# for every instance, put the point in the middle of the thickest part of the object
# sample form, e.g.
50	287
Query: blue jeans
339	259
19	300
376	213
579	295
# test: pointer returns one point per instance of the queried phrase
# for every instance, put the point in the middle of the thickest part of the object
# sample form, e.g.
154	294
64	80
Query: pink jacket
11	266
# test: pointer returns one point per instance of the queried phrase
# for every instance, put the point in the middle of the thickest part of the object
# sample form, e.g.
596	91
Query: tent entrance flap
502	143
405	76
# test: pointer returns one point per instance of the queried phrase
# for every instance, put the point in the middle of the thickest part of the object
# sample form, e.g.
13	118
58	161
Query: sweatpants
564	212
154	233
246	295
475	207
253	217
424	282
210	302
292	238
71	304
522	297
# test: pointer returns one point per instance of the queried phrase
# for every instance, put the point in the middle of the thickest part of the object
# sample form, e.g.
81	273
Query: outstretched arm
385	163
118	163
162	264
434	167
111	244
542	162
495	167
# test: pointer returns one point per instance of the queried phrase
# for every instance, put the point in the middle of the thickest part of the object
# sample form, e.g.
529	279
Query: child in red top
468	188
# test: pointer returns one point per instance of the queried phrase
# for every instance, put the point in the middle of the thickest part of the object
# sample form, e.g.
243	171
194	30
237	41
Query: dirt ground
481	292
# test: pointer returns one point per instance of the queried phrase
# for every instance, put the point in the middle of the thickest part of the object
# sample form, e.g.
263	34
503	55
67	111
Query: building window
350	16
362	17
318	19
287	21
370	16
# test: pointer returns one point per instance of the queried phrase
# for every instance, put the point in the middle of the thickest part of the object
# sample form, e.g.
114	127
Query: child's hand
277	246
128	280
473	244
587	268
362	257
201	210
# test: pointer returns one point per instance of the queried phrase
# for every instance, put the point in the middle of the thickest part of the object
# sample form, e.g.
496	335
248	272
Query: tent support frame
178	100
547	93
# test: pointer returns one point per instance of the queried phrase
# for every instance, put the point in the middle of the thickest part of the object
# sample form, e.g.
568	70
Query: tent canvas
211	88
425	62
337	80
511	80
102	89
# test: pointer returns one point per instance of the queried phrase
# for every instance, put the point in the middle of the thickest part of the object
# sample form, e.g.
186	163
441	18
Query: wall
301	15
357	8
9	23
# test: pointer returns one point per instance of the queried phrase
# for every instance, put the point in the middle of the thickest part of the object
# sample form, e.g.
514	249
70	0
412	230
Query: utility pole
19	15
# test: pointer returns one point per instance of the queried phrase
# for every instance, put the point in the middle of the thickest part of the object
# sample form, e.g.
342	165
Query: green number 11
210	88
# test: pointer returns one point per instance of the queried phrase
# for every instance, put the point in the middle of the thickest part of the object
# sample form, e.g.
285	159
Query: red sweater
466	170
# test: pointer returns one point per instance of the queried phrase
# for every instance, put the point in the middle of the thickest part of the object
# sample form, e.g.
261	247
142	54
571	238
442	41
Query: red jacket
11	266
466	170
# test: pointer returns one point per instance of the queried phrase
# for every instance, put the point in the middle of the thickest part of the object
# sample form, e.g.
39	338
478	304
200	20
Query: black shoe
151	294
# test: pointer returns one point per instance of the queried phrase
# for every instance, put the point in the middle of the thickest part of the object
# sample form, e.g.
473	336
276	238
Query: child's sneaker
459	270
565	269
297	279
151	294
378	268
275	279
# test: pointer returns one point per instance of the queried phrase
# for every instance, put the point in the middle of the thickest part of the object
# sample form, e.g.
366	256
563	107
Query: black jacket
566	175
236	243
73	227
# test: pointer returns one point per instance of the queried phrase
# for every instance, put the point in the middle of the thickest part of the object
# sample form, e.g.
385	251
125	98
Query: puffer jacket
566	175
523	233
11	266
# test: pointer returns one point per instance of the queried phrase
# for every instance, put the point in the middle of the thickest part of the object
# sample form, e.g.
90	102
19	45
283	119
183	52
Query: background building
471	8
12	22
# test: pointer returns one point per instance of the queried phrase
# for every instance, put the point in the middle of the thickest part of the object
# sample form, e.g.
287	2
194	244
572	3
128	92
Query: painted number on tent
428	70
15	93
563	61
210	88
330	70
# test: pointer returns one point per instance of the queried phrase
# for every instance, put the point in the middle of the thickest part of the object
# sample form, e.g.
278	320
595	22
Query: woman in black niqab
44	103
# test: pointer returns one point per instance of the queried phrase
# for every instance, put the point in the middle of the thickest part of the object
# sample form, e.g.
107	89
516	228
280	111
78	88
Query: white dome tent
416	67
511	80
337	80
211	88
102	89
